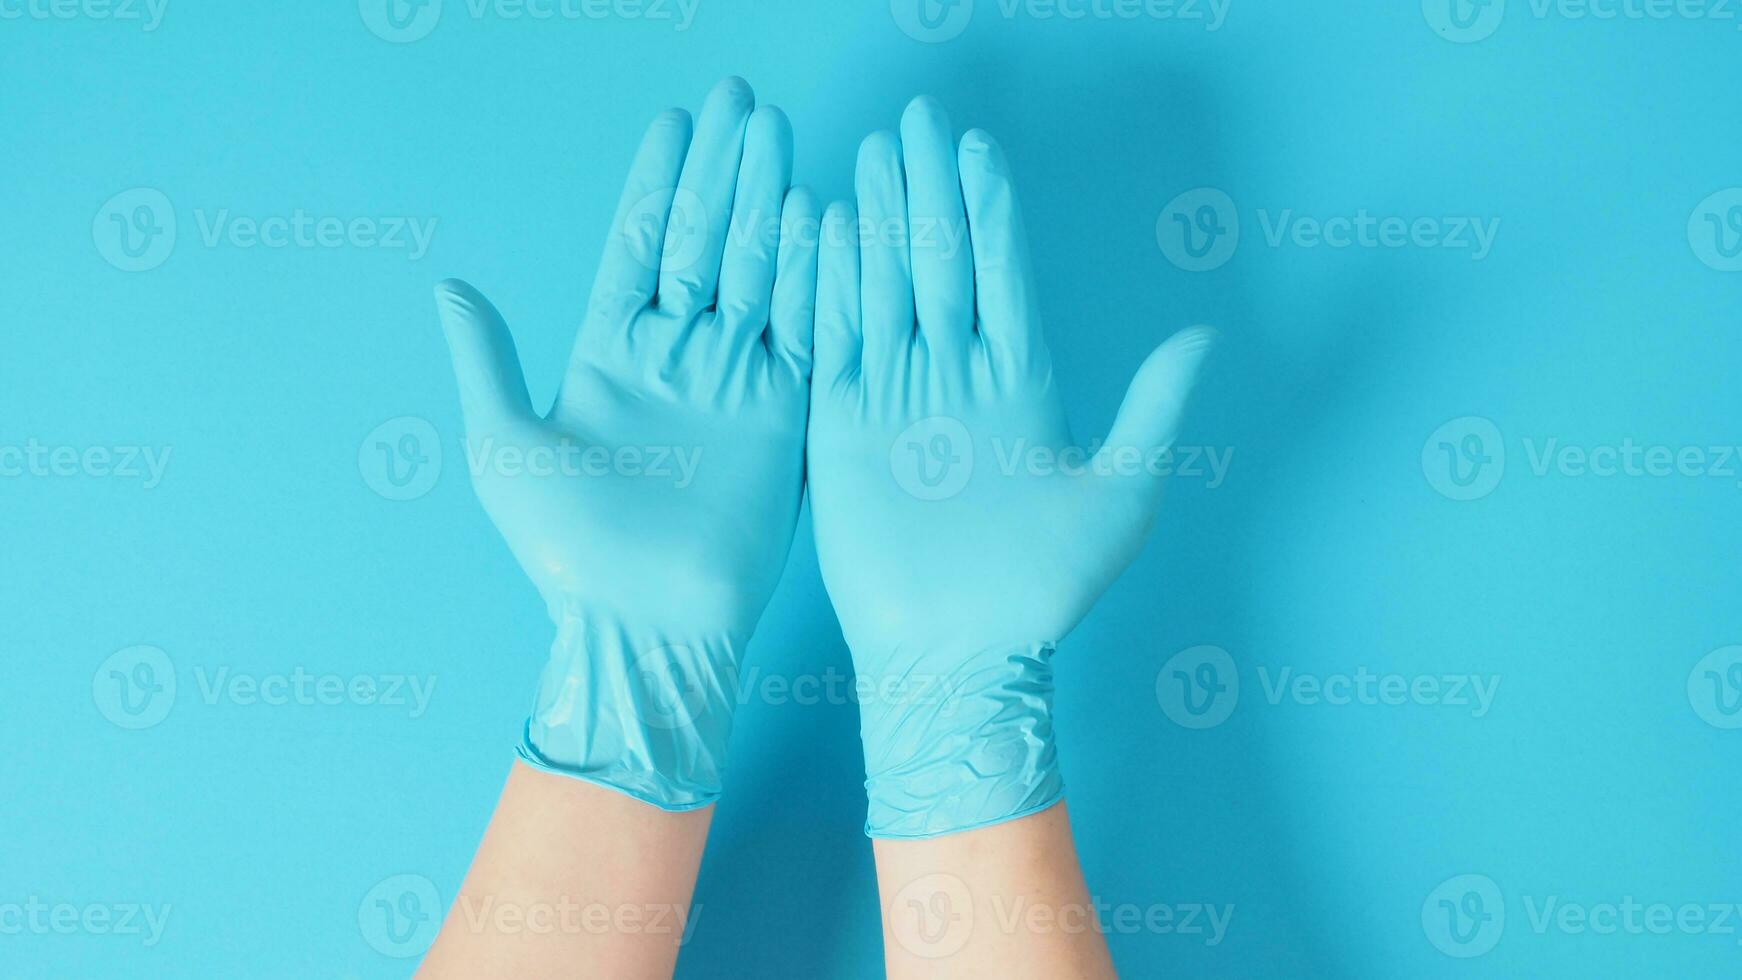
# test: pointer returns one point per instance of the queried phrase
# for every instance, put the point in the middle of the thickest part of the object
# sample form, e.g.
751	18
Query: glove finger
629	266
838	338
790	323
748	268
695	234
1008	317
1149	420
886	282
486	366
943	266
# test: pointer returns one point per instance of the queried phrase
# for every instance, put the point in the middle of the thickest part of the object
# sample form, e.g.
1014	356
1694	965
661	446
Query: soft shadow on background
1331	831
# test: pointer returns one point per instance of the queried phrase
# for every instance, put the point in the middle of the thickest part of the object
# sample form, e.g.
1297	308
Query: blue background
1330	546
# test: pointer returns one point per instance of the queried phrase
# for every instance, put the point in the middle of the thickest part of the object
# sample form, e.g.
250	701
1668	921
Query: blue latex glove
654	505
955	554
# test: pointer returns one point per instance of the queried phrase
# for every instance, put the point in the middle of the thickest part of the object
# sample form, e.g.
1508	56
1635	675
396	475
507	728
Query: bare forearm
1006	901
572	880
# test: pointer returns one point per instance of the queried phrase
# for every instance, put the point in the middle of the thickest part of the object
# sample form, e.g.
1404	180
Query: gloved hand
654	505
960	533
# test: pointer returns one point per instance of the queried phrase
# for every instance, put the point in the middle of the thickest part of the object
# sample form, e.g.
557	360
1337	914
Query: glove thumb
1149	420
492	387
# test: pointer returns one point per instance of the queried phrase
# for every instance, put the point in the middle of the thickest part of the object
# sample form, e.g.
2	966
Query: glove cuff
644	715
976	750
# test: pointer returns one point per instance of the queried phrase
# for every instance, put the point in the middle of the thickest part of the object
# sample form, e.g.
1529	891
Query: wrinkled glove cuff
976	750
646	716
